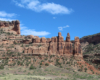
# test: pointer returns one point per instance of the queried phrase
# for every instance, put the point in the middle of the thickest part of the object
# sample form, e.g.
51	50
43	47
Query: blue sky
45	18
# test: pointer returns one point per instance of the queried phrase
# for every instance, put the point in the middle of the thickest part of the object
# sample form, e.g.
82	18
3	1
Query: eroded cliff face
54	46
94	39
33	45
12	27
51	46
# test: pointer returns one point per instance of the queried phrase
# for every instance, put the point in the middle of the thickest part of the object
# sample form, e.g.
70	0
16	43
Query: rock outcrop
54	46
17	26
94	39
68	49
11	26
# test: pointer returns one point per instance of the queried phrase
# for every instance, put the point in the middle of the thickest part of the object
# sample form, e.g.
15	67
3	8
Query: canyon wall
13	26
94	39
54	45
51	46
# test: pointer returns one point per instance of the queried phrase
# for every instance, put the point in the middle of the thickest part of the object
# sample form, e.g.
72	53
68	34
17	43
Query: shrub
51	56
68	63
46	58
27	64
57	63
41	63
50	60
79	69
46	64
42	60
32	67
1	66
22	45
85	69
18	62
39	45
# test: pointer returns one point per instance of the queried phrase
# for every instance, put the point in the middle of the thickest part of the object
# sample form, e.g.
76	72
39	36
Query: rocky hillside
32	51
94	39
91	49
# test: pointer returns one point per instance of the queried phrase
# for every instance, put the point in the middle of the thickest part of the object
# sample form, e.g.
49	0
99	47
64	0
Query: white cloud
26	31
18	4
61	28
6	19
4	14
55	8
34	5
38	6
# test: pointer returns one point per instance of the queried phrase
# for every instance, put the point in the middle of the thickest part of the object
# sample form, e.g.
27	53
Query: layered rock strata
13	26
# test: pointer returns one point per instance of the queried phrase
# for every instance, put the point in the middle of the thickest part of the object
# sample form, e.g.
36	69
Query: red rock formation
36	40
55	45
1	24
29	37
94	39
68	46
55	39
52	48
58	46
43	40
6	24
17	26
59	34
52	39
30	50
5	41
26	41
48	40
25	50
60	38
14	24
77	46
33	40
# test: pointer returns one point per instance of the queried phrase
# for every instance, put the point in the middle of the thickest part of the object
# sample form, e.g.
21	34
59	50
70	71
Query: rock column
60	44
77	46
68	50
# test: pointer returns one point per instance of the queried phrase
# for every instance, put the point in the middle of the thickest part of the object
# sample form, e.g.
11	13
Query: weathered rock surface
94	39
54	45
12	27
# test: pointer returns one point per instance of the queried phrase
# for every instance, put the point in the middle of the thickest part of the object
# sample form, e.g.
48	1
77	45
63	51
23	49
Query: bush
18	63
41	63
85	69
27	63
32	67
79	69
46	58
57	62
46	64
51	56
50	60
1	67
39	45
